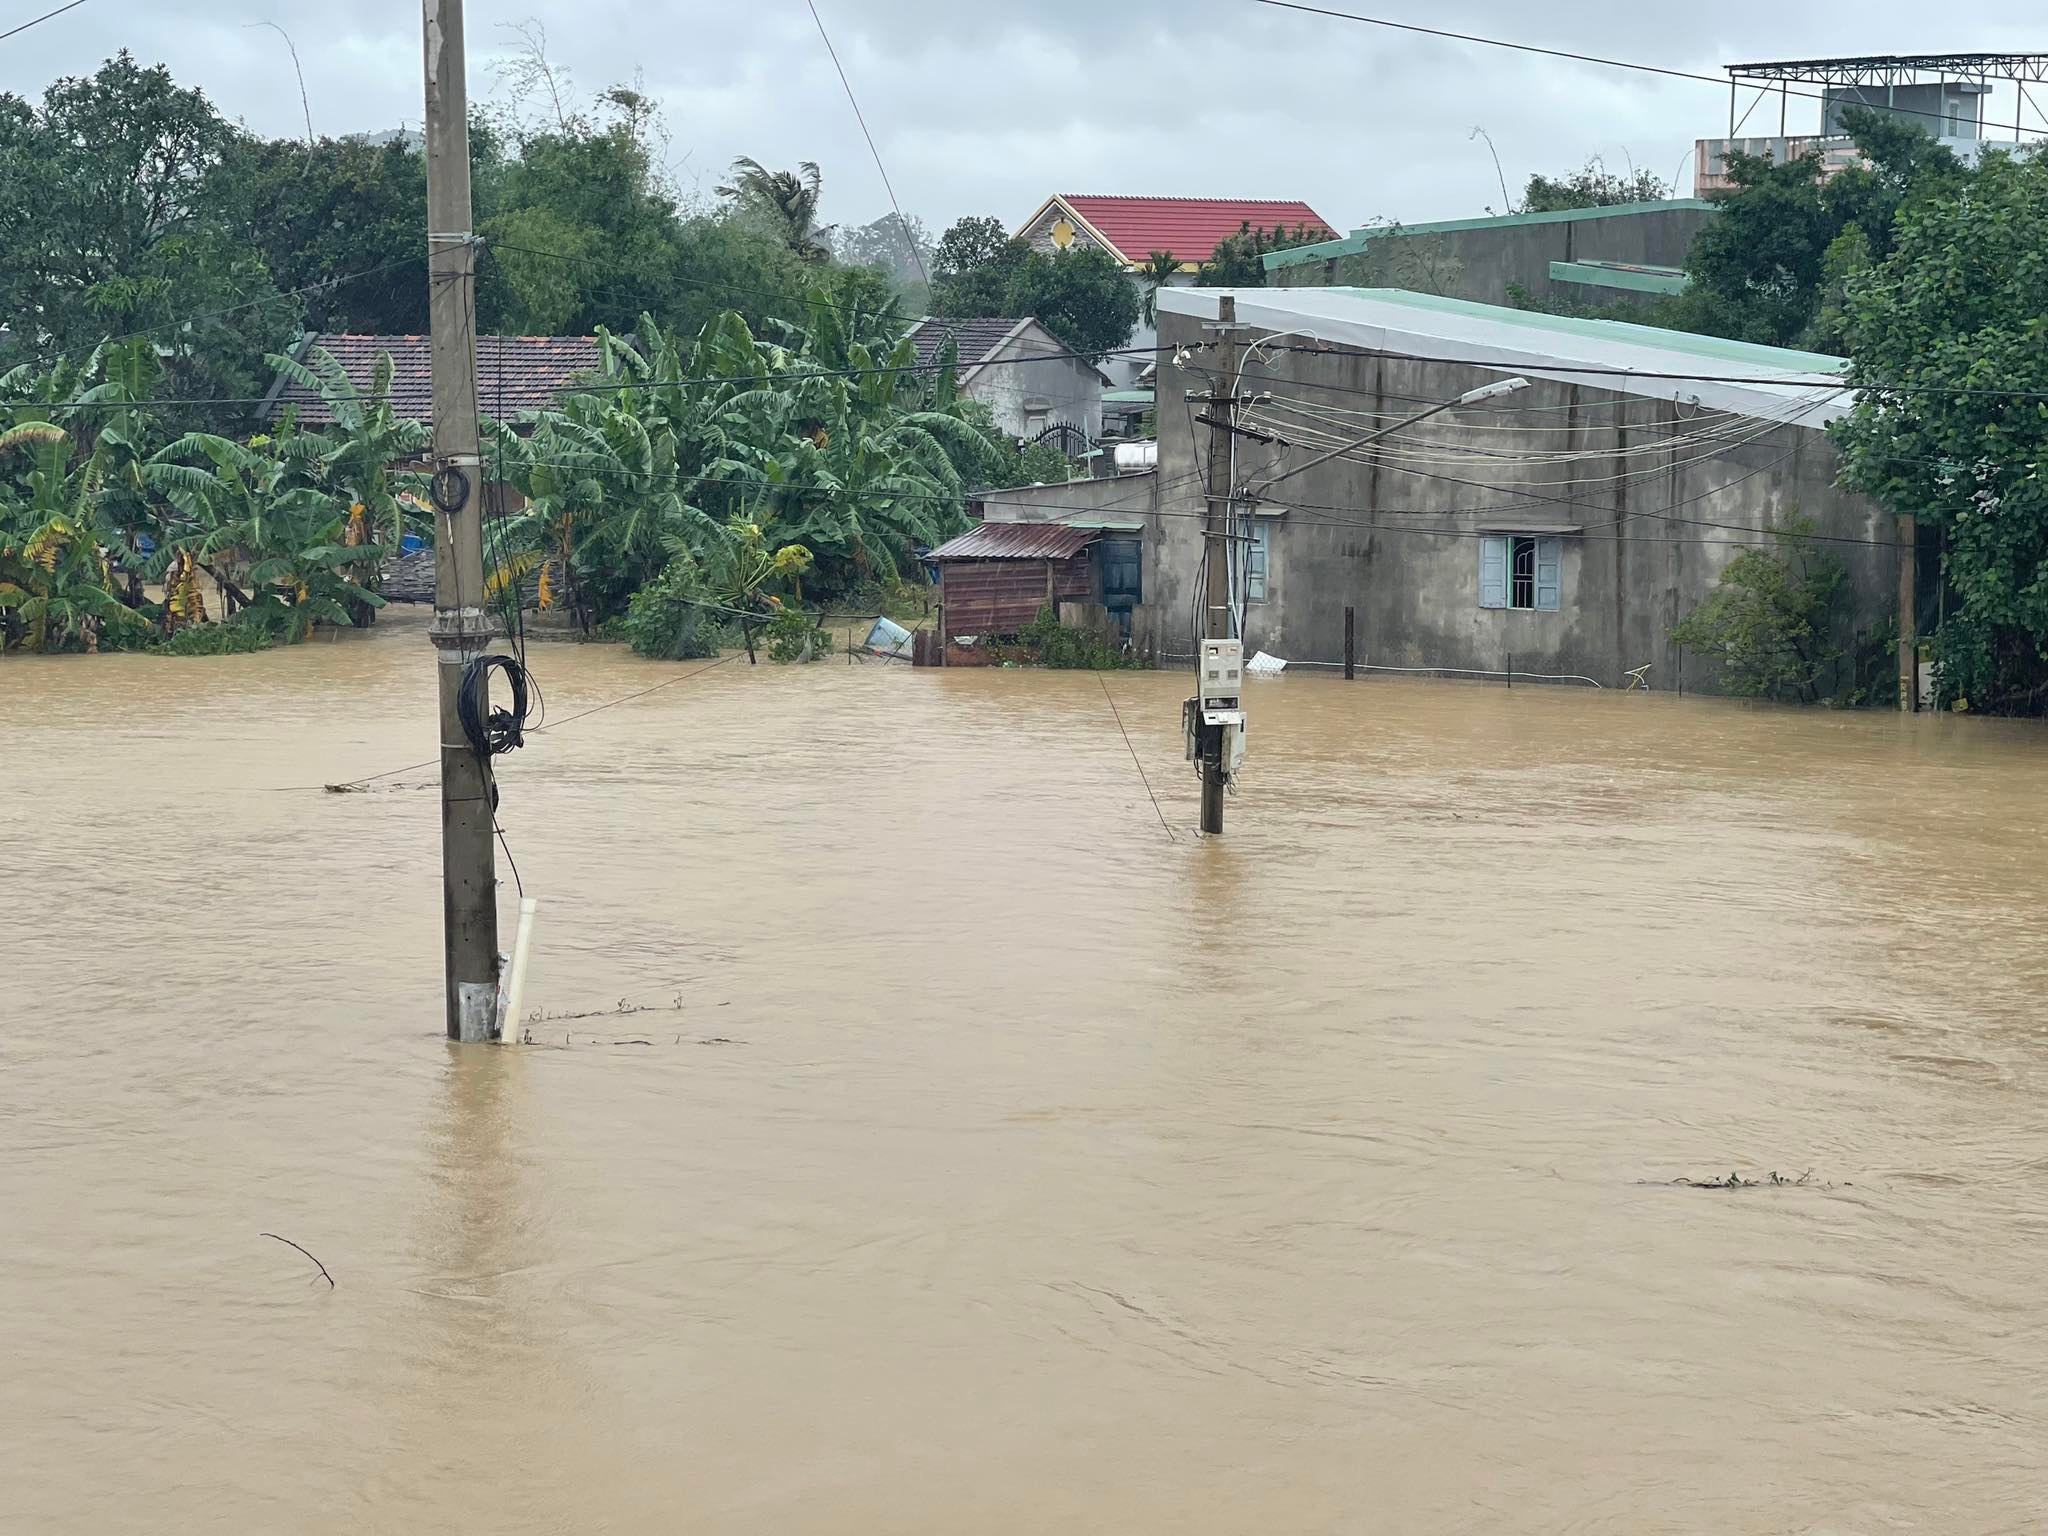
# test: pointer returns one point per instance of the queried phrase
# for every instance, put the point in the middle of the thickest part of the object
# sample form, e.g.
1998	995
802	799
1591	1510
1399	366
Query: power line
1578	58
618	386
345	785
1143	777
1294	507
38	21
902	224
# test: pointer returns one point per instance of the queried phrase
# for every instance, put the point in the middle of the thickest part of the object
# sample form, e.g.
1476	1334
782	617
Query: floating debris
1772	1180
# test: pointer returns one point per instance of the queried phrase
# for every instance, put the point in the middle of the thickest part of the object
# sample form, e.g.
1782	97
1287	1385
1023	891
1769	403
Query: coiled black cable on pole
491	732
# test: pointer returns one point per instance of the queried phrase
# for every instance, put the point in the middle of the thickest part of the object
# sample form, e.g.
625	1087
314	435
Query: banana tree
252	506
604	501
360	451
56	584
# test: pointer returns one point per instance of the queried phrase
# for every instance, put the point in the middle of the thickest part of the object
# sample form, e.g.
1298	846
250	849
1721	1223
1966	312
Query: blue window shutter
1549	573
1493	572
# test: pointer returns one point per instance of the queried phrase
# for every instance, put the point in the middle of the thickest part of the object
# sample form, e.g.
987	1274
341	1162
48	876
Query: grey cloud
984	107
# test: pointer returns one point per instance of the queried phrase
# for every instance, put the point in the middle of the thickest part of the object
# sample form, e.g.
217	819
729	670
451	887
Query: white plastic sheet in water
1266	663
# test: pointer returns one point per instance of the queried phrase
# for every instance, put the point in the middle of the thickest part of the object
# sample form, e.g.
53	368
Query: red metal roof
1017	541
1185	227
514	373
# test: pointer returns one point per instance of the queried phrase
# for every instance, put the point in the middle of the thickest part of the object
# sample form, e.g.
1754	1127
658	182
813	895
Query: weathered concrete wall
1480	261
1130	496
1401	546
1068	388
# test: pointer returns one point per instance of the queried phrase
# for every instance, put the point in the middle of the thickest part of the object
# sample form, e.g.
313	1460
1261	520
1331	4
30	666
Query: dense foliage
1770	623
107	217
98	497
1239	260
1949	338
1083	296
738	472
1591	186
130	205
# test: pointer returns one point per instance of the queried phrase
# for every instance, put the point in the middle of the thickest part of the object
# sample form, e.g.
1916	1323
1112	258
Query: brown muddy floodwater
1006	1167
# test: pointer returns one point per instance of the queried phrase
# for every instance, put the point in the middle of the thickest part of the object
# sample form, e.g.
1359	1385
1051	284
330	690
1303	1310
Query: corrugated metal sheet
1000	597
1017	541
1768	383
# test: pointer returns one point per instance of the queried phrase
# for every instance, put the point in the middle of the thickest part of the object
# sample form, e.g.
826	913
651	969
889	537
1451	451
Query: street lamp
1492	391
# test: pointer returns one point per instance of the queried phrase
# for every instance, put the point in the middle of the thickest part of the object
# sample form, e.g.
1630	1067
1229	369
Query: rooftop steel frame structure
1886	71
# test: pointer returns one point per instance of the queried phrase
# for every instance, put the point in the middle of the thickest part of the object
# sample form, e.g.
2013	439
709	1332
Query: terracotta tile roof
974	338
1187	227
514	373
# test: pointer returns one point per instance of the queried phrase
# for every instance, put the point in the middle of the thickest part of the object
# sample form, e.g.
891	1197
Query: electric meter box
1222	679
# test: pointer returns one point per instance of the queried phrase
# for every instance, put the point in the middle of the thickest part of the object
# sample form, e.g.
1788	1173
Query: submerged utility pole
461	630
1212	719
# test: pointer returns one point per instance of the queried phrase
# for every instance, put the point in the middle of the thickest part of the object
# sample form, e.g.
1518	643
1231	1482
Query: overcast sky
989	106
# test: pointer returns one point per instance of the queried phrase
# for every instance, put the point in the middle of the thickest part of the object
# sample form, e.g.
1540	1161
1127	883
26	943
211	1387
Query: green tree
1949	347
1761	270
900	247
1084	297
1238	260
1591	186
330	212
1770	622
973	267
104	218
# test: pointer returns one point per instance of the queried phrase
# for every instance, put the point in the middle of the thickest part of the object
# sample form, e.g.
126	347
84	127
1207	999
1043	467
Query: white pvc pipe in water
515	983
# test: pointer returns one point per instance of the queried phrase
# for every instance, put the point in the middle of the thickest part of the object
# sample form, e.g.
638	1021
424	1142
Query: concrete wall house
1562	530
997	367
1574	256
1132	228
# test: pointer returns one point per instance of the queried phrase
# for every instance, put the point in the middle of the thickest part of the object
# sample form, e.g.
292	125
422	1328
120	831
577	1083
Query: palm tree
788	200
1160	268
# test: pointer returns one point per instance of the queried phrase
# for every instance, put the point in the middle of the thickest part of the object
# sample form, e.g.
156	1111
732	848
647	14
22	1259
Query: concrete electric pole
1219	654
461	631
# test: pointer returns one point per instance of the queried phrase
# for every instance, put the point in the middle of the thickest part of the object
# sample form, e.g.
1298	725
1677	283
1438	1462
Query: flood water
1007	1166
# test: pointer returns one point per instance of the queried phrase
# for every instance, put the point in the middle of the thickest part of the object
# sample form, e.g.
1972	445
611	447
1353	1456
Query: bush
788	633
1770	623
668	618
229	638
1047	642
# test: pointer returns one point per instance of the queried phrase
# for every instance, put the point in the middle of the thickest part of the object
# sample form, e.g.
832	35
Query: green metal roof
1359	239
1746	354
1629	276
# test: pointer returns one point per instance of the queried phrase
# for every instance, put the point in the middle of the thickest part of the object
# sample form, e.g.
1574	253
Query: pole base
476	1012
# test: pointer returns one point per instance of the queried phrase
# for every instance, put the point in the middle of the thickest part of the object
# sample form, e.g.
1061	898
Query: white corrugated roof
1769	383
